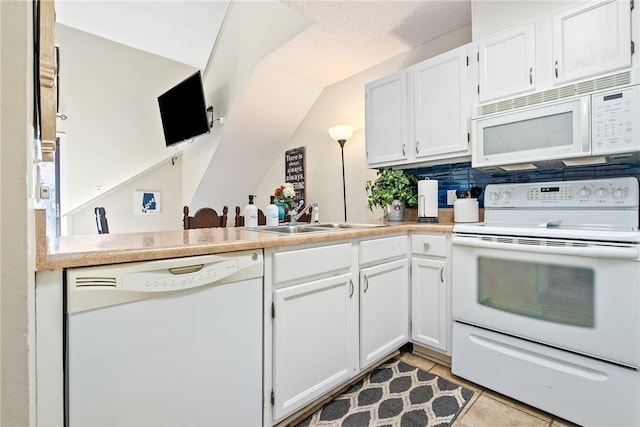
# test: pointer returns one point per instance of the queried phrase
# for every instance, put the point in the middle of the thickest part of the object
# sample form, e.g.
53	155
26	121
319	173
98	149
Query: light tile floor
488	408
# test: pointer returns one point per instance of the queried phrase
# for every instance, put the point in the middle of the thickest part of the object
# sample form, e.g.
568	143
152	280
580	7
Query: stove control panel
596	193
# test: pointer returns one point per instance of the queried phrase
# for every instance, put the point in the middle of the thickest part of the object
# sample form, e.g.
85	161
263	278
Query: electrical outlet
451	197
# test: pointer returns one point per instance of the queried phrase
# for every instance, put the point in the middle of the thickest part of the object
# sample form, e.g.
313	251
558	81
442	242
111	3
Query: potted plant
393	190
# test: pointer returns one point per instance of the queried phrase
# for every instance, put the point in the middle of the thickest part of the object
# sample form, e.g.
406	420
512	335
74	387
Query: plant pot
395	211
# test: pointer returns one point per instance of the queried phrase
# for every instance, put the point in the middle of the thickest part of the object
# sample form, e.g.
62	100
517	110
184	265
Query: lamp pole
344	188
341	134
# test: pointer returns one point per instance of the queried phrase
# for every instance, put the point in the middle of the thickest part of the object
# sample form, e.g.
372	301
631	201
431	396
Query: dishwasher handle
190	269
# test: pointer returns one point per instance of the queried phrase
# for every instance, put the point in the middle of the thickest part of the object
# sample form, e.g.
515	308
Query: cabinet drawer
309	262
384	248
429	244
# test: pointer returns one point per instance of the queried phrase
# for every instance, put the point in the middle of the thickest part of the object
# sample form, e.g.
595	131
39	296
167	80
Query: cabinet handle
403	153
556	68
417	147
366	283
442	274
350	288
426	246
530	75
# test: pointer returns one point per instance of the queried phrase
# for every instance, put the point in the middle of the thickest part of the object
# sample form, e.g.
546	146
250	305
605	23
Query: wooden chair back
239	222
101	220
204	218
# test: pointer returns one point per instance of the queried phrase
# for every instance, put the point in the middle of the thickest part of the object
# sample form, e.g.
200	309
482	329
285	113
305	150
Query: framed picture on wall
294	171
147	202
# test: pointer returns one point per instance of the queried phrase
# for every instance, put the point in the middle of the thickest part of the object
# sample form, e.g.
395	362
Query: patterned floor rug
395	394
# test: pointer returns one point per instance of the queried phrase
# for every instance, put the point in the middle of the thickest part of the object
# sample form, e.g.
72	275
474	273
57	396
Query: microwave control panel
614	126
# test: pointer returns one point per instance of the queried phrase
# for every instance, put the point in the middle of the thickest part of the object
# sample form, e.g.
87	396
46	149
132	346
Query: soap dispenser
251	213
272	212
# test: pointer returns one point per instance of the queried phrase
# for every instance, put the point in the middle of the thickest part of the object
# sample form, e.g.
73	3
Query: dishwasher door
173	342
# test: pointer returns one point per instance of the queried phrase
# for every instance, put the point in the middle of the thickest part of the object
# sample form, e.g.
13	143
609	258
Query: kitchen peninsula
364	276
78	251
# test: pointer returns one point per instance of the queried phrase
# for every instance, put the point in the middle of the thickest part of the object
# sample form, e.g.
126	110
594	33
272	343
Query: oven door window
555	293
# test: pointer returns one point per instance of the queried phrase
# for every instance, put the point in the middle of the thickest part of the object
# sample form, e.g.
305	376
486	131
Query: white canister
465	210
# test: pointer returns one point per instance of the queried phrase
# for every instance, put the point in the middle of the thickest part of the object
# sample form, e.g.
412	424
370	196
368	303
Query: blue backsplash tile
458	176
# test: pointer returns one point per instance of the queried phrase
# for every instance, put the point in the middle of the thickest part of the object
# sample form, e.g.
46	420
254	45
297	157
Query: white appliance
546	298
599	124
168	342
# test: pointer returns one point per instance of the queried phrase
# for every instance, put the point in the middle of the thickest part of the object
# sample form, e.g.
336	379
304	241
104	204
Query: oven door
583	299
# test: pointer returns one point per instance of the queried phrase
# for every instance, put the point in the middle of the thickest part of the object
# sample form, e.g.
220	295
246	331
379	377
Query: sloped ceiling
343	38
184	31
346	37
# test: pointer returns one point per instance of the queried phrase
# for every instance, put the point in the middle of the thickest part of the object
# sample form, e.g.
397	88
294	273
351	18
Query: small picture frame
147	202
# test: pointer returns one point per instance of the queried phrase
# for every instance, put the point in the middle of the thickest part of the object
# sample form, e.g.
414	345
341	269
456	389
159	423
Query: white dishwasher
170	342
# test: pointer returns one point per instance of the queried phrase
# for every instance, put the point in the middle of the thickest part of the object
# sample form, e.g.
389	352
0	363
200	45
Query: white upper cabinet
419	114
591	39
583	42
506	64
441	106
386	115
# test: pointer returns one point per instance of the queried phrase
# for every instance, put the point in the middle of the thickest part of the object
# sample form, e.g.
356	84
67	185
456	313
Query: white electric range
546	298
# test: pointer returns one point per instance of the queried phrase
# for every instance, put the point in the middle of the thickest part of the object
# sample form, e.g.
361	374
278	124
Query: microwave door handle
587	251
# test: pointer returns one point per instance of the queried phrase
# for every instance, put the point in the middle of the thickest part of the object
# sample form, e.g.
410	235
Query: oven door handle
588	251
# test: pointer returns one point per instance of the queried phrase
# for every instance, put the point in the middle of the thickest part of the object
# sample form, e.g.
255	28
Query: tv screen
183	111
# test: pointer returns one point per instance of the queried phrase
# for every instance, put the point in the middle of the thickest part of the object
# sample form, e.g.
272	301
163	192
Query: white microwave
591	125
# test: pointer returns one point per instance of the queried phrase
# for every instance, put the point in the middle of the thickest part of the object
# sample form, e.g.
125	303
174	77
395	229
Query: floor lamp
341	134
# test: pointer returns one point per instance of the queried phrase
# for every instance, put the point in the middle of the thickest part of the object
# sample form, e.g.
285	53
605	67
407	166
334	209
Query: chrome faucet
295	215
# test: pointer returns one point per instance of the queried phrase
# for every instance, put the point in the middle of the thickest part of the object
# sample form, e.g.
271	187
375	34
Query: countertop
101	249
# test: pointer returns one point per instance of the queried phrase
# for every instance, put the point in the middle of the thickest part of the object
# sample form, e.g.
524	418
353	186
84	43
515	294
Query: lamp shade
341	132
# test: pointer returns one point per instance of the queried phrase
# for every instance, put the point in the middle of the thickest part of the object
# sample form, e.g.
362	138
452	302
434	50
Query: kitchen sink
346	225
297	228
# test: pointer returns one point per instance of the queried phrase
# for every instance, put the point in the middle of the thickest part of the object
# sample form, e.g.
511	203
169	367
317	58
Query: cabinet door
441	96
430	318
314	340
506	64
386	119
384	310
591	39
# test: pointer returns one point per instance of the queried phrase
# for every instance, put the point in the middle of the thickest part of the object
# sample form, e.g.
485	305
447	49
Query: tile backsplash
462	176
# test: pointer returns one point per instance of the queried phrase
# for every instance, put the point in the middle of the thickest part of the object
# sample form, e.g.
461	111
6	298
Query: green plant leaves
392	185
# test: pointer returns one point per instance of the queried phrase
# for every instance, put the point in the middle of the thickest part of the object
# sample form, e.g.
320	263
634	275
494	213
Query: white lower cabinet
313	332
314	323
430	292
384	310
335	309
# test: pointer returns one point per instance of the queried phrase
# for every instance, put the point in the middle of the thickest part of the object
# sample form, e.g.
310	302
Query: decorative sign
147	202
294	170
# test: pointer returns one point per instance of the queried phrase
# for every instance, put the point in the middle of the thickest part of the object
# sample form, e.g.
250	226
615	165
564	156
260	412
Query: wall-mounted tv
183	111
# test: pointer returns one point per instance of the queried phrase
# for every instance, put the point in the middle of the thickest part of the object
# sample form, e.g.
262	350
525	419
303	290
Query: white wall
343	103
262	105
17	338
113	132
165	178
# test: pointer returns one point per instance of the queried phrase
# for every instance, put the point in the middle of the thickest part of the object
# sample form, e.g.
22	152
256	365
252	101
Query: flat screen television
183	111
